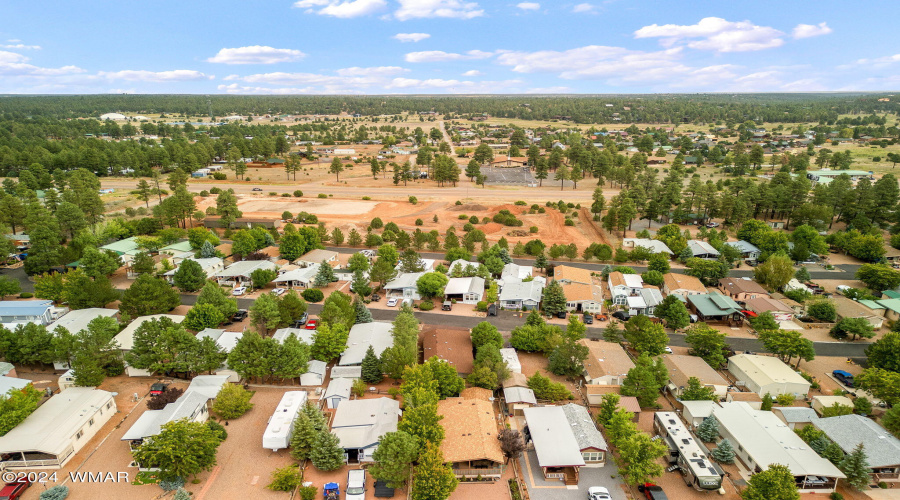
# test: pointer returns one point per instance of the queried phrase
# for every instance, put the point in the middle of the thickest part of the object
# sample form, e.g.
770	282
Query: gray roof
882	448
654	246
700	247
199	392
522	291
346	372
77	320
317	367
360	423
362	335
339	387
302	334
244	268
586	433
514	272
303	274
554	441
7	383
743	246
519	395
797	414
213	333
24	307
403	280
652	296
459	286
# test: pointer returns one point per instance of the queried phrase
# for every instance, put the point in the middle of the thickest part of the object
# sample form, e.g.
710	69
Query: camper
278	432
685	453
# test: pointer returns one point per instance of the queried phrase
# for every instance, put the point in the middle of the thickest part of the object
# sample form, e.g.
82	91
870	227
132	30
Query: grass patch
145	477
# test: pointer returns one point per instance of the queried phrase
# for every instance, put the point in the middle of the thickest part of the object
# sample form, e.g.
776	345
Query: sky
447	46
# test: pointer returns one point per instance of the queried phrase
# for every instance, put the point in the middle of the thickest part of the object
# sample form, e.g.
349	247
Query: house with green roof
890	294
128	246
891	308
712	307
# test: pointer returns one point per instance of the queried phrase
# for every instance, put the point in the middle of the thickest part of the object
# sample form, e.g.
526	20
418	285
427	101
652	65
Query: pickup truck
13	490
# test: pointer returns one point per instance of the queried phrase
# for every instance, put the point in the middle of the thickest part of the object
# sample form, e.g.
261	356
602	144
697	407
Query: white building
277	435
359	425
512	359
210	267
298	278
338	391
404	286
767	374
465	290
621	286
58	429
77	320
315	373
26	311
239	272
654	246
376	334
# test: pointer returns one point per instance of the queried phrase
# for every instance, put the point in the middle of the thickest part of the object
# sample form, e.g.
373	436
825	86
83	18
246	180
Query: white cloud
416	9
472	72
878	62
14	40
454	86
583	7
529	6
811	30
375	71
715	34
234	88
256	54
342	9
178	75
411	37
21	46
12	64
441	56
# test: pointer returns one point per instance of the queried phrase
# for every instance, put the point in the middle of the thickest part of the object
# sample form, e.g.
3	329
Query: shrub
322	195
462	217
285	195
273	193
426	306
232	401
218	429
204	193
171	484
533	229
481	306
419	222
836	496
215	190
308	492
521	203
570	222
366	198
313	295
458	203
26	295
58	492
298	193
286	478
413	200
219	176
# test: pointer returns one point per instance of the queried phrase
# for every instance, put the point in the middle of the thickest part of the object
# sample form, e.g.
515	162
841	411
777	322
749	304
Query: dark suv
652	492
845	378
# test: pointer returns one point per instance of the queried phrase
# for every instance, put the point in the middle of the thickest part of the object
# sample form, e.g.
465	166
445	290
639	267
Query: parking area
542	489
510	176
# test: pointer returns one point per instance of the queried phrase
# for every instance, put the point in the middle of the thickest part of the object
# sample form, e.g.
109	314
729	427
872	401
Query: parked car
668	350
621	315
652	492
588	319
712	224
257	189
158	388
601	317
279	291
447	306
356	484
845	378
299	322
241	290
376	297
14	489
598	493
392	302
492	310
843	289
331	491
561	315
694	318
241	315
312	324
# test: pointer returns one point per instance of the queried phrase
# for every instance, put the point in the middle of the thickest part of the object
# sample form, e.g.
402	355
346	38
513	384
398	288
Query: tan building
470	443
761	304
569	274
682	367
682	284
581	297
607	363
740	289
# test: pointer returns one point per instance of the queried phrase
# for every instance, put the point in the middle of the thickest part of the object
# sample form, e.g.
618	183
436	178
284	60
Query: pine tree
767	402
316	417
856	467
207	251
708	431
363	315
724	453
394	458
327	454
324	276
554	300
371	367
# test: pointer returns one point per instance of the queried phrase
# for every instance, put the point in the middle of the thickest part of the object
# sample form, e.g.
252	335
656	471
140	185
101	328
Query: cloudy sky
447	46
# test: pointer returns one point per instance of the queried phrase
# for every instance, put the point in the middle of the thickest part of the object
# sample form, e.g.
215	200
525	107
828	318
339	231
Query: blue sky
447	46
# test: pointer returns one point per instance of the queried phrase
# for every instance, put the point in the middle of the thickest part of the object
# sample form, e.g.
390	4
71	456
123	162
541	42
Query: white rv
278	433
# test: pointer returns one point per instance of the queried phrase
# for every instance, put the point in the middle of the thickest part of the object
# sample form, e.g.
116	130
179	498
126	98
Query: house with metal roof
748	250
376	334
12	383
316	257
521	295
654	246
302	334
558	452
128	246
359	425
513	273
239	273
882	448
702	250
302	277
426	264
351	372
210	267
57	430
590	441
470	444
795	417
26	311
404	286
511	357
337	392
78	320
518	398
621	286
464	290
715	307
767	374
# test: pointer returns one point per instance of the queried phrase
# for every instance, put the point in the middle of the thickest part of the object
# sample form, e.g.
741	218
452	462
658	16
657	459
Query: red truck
652	492
14	490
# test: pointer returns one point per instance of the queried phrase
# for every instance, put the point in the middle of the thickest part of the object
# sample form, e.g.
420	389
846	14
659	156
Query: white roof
339	387
522	290
554	441
655	246
511	357
125	338
205	264
77	320
360	423
302	334
514	272
460	286
362	335
303	274
278	431
765	370
228	340
403	280
7	383
51	428
652	296
427	264
700	247
633	280
346	372
519	395
317	255
462	265
213	333
768	440
636	302
195	397
244	268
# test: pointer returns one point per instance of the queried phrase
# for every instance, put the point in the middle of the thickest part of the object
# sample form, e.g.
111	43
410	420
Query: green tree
554	300
16	405
640	454
264	313
645	336
372	372
203	316
327	454
189	277
673	312
423	422
724	452
329	341
765	321
775	482
885	352
775	272
486	333
854	328
215	295
336	168
822	309
394	457
262	277
338	310
181	449
148	295
143	264
8	287
286	478
569	356
448	380
891	420
855	466
695	391
303	437
883	384
232	401
324	276
708	271
707	343
431	285
434	479
291	307
96	263
609	403
787	344
878	277
708	430
645	380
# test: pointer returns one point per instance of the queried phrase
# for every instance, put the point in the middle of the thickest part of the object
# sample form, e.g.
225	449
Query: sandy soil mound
467	207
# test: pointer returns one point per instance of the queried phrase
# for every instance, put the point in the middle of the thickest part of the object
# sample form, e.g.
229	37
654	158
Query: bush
521	203
308	492
322	195
462	217
286	478
204	193
458	203
232	401
419	222
218	429
26	295
481	306
172	484
570	222
215	190
413	200
313	295
285	195
298	193
219	176
58	492
533	229
273	193
836	496
366	198
426	306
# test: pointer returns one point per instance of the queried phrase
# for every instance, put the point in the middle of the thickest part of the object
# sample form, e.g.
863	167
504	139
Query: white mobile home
278	432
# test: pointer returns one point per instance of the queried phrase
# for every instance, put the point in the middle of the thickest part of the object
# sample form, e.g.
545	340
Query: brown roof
678	281
630	403
577	292
225	248
763	304
605	358
470	430
516	380
739	285
744	396
600	389
573	274
682	367
616	278
272	251
450	343
477	393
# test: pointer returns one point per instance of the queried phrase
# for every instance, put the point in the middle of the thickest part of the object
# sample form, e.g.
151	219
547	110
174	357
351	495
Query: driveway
542	489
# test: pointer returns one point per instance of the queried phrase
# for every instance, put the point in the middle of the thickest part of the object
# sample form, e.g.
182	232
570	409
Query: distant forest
656	108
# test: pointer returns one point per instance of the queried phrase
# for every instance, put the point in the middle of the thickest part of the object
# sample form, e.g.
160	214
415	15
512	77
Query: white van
356	484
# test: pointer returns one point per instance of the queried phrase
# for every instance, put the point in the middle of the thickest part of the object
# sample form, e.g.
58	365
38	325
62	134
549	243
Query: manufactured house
761	439
404	286
741	289
210	267
702	250
645	302
523	295
471	443
376	334
359	425
511	357
513	273
238	274
316	257
427	265
607	362
298	278
682	284
621	286
695	412
767	374
277	435
748	250
654	246
450	343
549	432
795	417
26	311
882	448
351	372
79	319
820	402
125	339
59	428
583	297
590	441
715	307
682	367
465	290
686	454
763	303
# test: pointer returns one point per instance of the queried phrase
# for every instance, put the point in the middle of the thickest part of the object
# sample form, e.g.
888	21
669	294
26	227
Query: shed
512	359
767	374
338	390
351	372
795	417
518	398
695	412
315	373
558	453
819	403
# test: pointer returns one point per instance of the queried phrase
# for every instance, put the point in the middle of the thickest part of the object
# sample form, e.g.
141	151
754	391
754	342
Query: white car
356	484
392	302
712	224
842	289
241	290
598	493
668	350
279	291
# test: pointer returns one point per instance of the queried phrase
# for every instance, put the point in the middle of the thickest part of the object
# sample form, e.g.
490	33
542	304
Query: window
109	405
592	456
78	436
90	422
